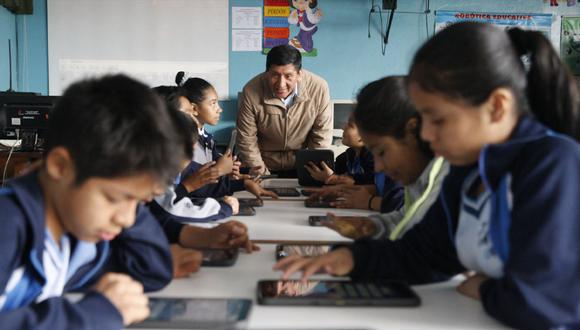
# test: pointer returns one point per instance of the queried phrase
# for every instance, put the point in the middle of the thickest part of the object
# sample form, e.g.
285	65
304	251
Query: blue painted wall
347	58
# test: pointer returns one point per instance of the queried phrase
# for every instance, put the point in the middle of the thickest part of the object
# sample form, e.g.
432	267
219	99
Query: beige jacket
269	134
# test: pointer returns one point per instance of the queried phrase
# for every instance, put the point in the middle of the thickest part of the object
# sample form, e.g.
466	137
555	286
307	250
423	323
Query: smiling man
283	110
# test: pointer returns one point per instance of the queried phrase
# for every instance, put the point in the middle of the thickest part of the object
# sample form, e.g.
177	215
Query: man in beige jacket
280	111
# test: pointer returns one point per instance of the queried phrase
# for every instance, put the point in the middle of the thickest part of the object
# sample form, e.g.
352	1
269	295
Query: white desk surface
286	220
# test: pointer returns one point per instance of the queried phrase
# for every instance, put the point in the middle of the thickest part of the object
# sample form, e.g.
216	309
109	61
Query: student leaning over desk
390	126
508	209
77	224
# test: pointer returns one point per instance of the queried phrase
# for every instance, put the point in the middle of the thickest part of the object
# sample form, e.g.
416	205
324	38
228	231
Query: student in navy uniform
175	203
174	208
508	209
206	111
355	179
390	126
78	224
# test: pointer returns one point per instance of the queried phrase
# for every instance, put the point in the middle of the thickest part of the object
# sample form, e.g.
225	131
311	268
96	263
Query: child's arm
425	254
142	252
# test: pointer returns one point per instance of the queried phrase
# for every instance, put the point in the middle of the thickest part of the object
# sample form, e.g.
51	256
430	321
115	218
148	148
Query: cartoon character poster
305	16
570	43
292	22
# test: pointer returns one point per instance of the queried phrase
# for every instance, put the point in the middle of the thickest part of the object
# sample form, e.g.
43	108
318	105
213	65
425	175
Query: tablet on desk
246	210
303	157
196	313
285	191
253	202
286	250
336	293
318	203
219	257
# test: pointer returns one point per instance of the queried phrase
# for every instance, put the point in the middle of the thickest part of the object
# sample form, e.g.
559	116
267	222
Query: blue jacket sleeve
393	195
425	254
142	251
540	288
91	312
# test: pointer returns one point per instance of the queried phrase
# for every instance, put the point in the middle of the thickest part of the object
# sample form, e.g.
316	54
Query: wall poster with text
570	43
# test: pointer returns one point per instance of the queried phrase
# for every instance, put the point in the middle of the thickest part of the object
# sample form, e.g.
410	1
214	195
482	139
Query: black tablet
253	202
336	293
286	250
316	157
315	220
285	191
196	313
317	203
246	210
219	257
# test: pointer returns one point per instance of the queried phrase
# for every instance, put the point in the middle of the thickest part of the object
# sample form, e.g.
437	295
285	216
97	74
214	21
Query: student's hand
234	203
236	175
258	170
225	163
255	188
340	179
321	173
470	287
324	194
351	227
355	197
185	261
338	262
231	234
206	174
126	295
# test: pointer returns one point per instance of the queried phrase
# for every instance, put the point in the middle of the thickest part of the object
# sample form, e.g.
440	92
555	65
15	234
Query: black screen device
285	250
319	203
253	202
305	192
196	313
315	220
336	293
219	257
232	143
246	210
285	191
305	156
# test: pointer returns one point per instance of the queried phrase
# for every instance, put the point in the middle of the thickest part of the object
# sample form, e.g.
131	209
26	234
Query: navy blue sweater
141	251
536	238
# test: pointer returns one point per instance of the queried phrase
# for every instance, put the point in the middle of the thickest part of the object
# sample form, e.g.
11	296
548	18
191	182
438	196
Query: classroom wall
347	58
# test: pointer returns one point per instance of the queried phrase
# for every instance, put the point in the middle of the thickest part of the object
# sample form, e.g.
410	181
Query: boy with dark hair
77	224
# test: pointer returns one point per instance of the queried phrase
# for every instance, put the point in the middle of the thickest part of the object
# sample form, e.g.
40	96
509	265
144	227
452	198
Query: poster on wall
292	22
570	43
536	22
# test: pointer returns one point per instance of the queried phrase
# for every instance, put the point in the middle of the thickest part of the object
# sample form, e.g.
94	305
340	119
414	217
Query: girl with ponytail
503	110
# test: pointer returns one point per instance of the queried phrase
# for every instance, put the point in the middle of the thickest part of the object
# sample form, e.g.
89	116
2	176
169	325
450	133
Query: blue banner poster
536	22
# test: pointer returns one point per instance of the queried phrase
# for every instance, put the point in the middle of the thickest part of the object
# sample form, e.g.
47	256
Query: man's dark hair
115	126
284	55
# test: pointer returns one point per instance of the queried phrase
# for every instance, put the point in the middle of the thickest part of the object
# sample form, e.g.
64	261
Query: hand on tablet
229	235
340	179
206	174
236	175
338	262
319	172
126	295
351	227
257	190
185	261
225	163
354	197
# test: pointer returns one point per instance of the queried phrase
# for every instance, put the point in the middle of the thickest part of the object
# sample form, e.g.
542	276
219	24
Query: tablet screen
195	313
